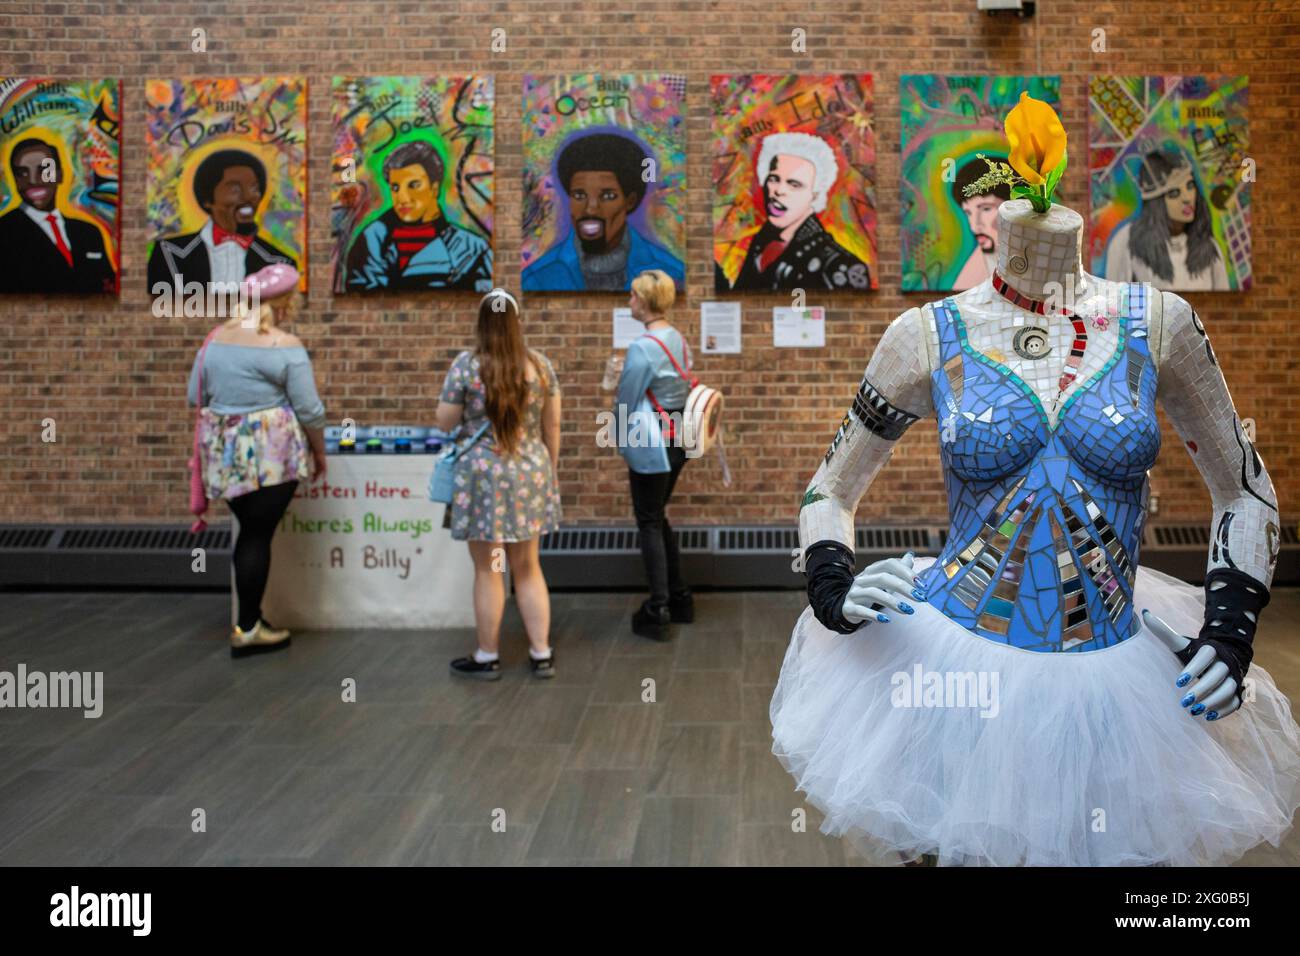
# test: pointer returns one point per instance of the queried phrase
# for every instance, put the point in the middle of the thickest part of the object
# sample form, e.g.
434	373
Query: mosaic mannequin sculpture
1044	382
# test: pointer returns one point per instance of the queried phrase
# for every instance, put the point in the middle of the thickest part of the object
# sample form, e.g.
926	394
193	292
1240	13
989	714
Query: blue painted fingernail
918	594
906	608
1197	710
1212	715
883	619
1182	681
1188	699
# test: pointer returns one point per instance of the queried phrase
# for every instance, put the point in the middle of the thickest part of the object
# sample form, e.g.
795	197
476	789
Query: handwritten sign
364	547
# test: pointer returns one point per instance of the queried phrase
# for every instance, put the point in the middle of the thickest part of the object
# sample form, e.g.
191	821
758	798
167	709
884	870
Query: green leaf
1055	175
811	496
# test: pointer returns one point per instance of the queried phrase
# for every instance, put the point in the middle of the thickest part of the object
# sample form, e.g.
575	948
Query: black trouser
650	494
258	512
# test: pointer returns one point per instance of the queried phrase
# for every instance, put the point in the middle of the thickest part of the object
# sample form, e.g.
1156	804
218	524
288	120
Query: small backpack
702	416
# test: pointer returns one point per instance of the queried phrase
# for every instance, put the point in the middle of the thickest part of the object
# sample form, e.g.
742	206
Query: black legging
258	512
650	494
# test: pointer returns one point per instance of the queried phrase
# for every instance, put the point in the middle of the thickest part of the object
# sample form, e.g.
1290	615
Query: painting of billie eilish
60	212
794	160
1170	181
604	180
226	180
948	239
413	183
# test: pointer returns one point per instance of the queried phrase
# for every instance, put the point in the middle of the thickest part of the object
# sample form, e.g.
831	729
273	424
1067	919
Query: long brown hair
503	365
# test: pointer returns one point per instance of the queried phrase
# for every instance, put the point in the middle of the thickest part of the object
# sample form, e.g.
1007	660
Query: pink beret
275	280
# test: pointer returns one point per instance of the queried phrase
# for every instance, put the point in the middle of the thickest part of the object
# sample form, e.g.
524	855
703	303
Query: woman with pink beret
259	432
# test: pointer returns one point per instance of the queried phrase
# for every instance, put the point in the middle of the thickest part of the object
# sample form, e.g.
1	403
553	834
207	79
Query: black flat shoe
682	608
652	624
468	667
543	669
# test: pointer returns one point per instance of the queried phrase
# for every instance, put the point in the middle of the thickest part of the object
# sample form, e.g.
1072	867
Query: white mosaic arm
894	392
1245	533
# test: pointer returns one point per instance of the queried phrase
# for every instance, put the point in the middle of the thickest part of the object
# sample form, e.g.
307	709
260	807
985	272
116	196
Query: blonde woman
506	495
651	393
260	432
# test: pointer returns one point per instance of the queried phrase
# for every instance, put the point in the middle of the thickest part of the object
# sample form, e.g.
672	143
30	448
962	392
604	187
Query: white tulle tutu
1083	759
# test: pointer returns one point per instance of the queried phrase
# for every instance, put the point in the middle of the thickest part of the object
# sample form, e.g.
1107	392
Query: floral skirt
504	498
241	453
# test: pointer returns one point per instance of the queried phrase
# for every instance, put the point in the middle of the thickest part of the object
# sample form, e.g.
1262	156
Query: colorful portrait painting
948	239
1170	181
60	196
794	183
604	180
412	183
226	179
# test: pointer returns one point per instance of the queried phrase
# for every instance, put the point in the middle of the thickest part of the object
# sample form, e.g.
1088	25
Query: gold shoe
259	640
273	633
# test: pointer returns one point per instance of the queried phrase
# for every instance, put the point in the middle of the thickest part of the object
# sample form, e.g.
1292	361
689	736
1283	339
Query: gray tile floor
580	769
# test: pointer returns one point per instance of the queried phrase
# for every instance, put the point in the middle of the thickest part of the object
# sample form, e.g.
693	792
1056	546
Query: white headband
503	293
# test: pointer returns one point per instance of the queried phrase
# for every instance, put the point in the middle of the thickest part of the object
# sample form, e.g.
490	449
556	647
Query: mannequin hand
884	584
1216	694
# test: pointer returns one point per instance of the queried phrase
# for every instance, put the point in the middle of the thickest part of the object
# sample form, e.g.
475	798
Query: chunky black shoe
468	667
682	608
545	668
651	623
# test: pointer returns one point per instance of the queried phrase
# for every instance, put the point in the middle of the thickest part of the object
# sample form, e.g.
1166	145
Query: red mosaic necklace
1039	307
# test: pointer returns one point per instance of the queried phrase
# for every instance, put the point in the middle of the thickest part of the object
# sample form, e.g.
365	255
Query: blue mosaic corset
1045	522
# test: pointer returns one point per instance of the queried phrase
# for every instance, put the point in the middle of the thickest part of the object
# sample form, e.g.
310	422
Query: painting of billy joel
1170	175
604	180
949	240
60	197
226	180
413	183
794	183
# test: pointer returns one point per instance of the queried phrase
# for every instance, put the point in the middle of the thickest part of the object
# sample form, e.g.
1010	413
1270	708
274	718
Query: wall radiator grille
577	557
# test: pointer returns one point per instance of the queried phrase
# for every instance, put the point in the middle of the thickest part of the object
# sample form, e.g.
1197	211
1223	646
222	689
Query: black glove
1227	628
829	566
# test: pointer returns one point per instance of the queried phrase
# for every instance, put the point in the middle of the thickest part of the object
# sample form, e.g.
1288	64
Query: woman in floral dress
506	496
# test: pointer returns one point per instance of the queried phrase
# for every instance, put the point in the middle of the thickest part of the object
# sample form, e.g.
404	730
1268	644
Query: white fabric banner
364	547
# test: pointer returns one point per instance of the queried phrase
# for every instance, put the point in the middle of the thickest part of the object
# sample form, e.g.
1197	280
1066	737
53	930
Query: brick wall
112	375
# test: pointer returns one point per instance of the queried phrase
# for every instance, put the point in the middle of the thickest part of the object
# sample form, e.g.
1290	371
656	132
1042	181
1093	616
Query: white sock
540	655
483	657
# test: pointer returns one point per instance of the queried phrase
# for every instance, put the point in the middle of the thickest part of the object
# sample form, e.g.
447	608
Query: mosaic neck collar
1018	298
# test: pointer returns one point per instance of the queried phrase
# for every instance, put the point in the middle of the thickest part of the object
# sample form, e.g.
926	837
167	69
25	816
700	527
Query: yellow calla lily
1037	139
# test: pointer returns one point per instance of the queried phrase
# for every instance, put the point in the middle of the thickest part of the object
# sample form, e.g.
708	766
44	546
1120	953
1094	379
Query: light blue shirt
648	366
238	379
